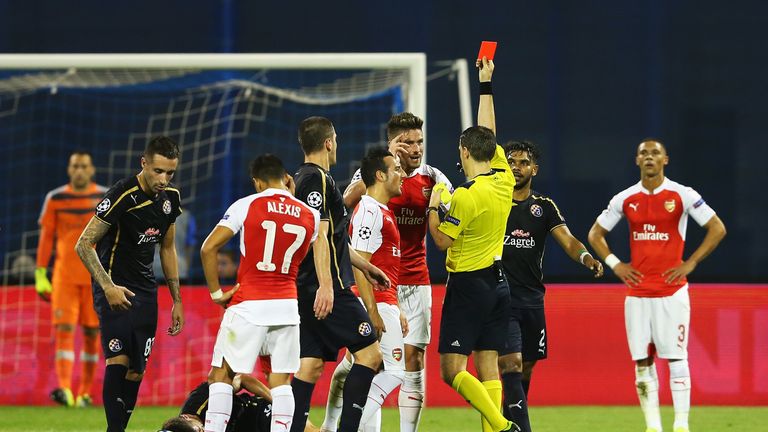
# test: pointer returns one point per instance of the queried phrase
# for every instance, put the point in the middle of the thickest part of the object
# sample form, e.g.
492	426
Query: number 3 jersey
657	223
276	230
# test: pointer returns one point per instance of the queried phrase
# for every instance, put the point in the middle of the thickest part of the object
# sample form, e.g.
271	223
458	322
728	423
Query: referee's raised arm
486	115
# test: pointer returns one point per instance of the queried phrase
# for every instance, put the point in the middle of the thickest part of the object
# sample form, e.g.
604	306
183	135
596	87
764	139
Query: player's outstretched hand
323	302
485	69
177	319
628	274
377	278
117	297
595	265
226	297
676	273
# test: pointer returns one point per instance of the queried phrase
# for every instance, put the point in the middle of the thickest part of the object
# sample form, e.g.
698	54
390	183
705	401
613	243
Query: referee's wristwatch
434	209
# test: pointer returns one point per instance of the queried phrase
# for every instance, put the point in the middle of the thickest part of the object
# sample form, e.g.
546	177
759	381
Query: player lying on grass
251	408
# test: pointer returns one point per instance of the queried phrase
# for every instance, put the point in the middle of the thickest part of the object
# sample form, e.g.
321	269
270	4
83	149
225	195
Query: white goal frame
414	63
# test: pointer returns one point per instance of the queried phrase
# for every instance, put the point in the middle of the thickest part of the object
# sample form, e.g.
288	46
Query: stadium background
586	82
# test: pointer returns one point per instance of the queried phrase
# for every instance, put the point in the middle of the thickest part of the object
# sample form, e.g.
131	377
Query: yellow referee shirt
478	217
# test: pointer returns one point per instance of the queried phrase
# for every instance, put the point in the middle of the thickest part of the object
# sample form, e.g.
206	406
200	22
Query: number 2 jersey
529	223
276	230
657	224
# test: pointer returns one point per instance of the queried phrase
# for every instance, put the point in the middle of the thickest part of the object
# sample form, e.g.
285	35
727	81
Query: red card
487	49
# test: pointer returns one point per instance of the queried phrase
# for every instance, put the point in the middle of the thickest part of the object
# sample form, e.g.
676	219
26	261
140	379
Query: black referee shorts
475	312
129	332
348	326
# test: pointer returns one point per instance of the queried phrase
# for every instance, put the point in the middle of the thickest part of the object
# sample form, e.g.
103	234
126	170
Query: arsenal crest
397	354
669	205
427	191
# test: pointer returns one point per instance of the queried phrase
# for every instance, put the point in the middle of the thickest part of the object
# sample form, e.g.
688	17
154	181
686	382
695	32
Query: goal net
223	110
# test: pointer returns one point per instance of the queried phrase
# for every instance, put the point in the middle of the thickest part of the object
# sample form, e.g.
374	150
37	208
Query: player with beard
406	140
532	218
118	247
66	212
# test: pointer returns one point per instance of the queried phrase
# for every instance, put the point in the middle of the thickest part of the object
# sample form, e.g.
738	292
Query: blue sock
113	394
302	395
356	389
515	402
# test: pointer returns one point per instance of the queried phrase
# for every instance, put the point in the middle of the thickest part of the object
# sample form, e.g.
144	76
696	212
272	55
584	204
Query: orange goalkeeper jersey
65	214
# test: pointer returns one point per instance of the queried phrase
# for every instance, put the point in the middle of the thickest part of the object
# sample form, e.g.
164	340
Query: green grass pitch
544	419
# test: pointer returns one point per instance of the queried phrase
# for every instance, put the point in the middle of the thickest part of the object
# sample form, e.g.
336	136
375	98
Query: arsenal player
406	140
657	309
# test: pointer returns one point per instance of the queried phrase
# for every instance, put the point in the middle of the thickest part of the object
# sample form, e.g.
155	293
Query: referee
477	301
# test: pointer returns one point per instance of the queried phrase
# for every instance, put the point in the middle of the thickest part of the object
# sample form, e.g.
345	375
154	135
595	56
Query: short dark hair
177	424
402	122
162	145
267	167
522	146
313	131
656	140
372	162
480	141
81	152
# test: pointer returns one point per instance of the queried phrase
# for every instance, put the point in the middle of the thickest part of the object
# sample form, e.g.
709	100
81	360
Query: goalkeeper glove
42	284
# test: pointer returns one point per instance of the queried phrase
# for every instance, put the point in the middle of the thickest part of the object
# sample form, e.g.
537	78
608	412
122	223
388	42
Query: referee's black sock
355	395
302	395
113	393
515	402
131	394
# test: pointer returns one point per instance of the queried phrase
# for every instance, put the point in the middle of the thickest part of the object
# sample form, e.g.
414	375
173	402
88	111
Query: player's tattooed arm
173	287
93	232
117	296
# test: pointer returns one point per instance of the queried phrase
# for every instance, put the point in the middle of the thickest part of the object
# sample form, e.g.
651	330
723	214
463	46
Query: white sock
374	425
647	386
219	407
282	408
410	400
382	385
680	384
335	396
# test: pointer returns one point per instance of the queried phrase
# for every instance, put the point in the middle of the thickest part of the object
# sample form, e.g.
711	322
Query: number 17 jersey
276	230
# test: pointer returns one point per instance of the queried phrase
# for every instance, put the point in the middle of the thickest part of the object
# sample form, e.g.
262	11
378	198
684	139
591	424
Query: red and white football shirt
276	230
657	224
373	230
410	209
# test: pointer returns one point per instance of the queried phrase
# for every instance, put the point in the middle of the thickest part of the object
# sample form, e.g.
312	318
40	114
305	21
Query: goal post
414	63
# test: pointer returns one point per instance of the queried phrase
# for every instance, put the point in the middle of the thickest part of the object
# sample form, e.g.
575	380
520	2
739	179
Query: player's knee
511	363
90	332
528	370
65	327
310	370
369	356
414	359
448	373
645	362
132	375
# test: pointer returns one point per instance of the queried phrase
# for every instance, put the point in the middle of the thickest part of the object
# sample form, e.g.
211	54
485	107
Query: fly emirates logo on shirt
408	216
649	233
